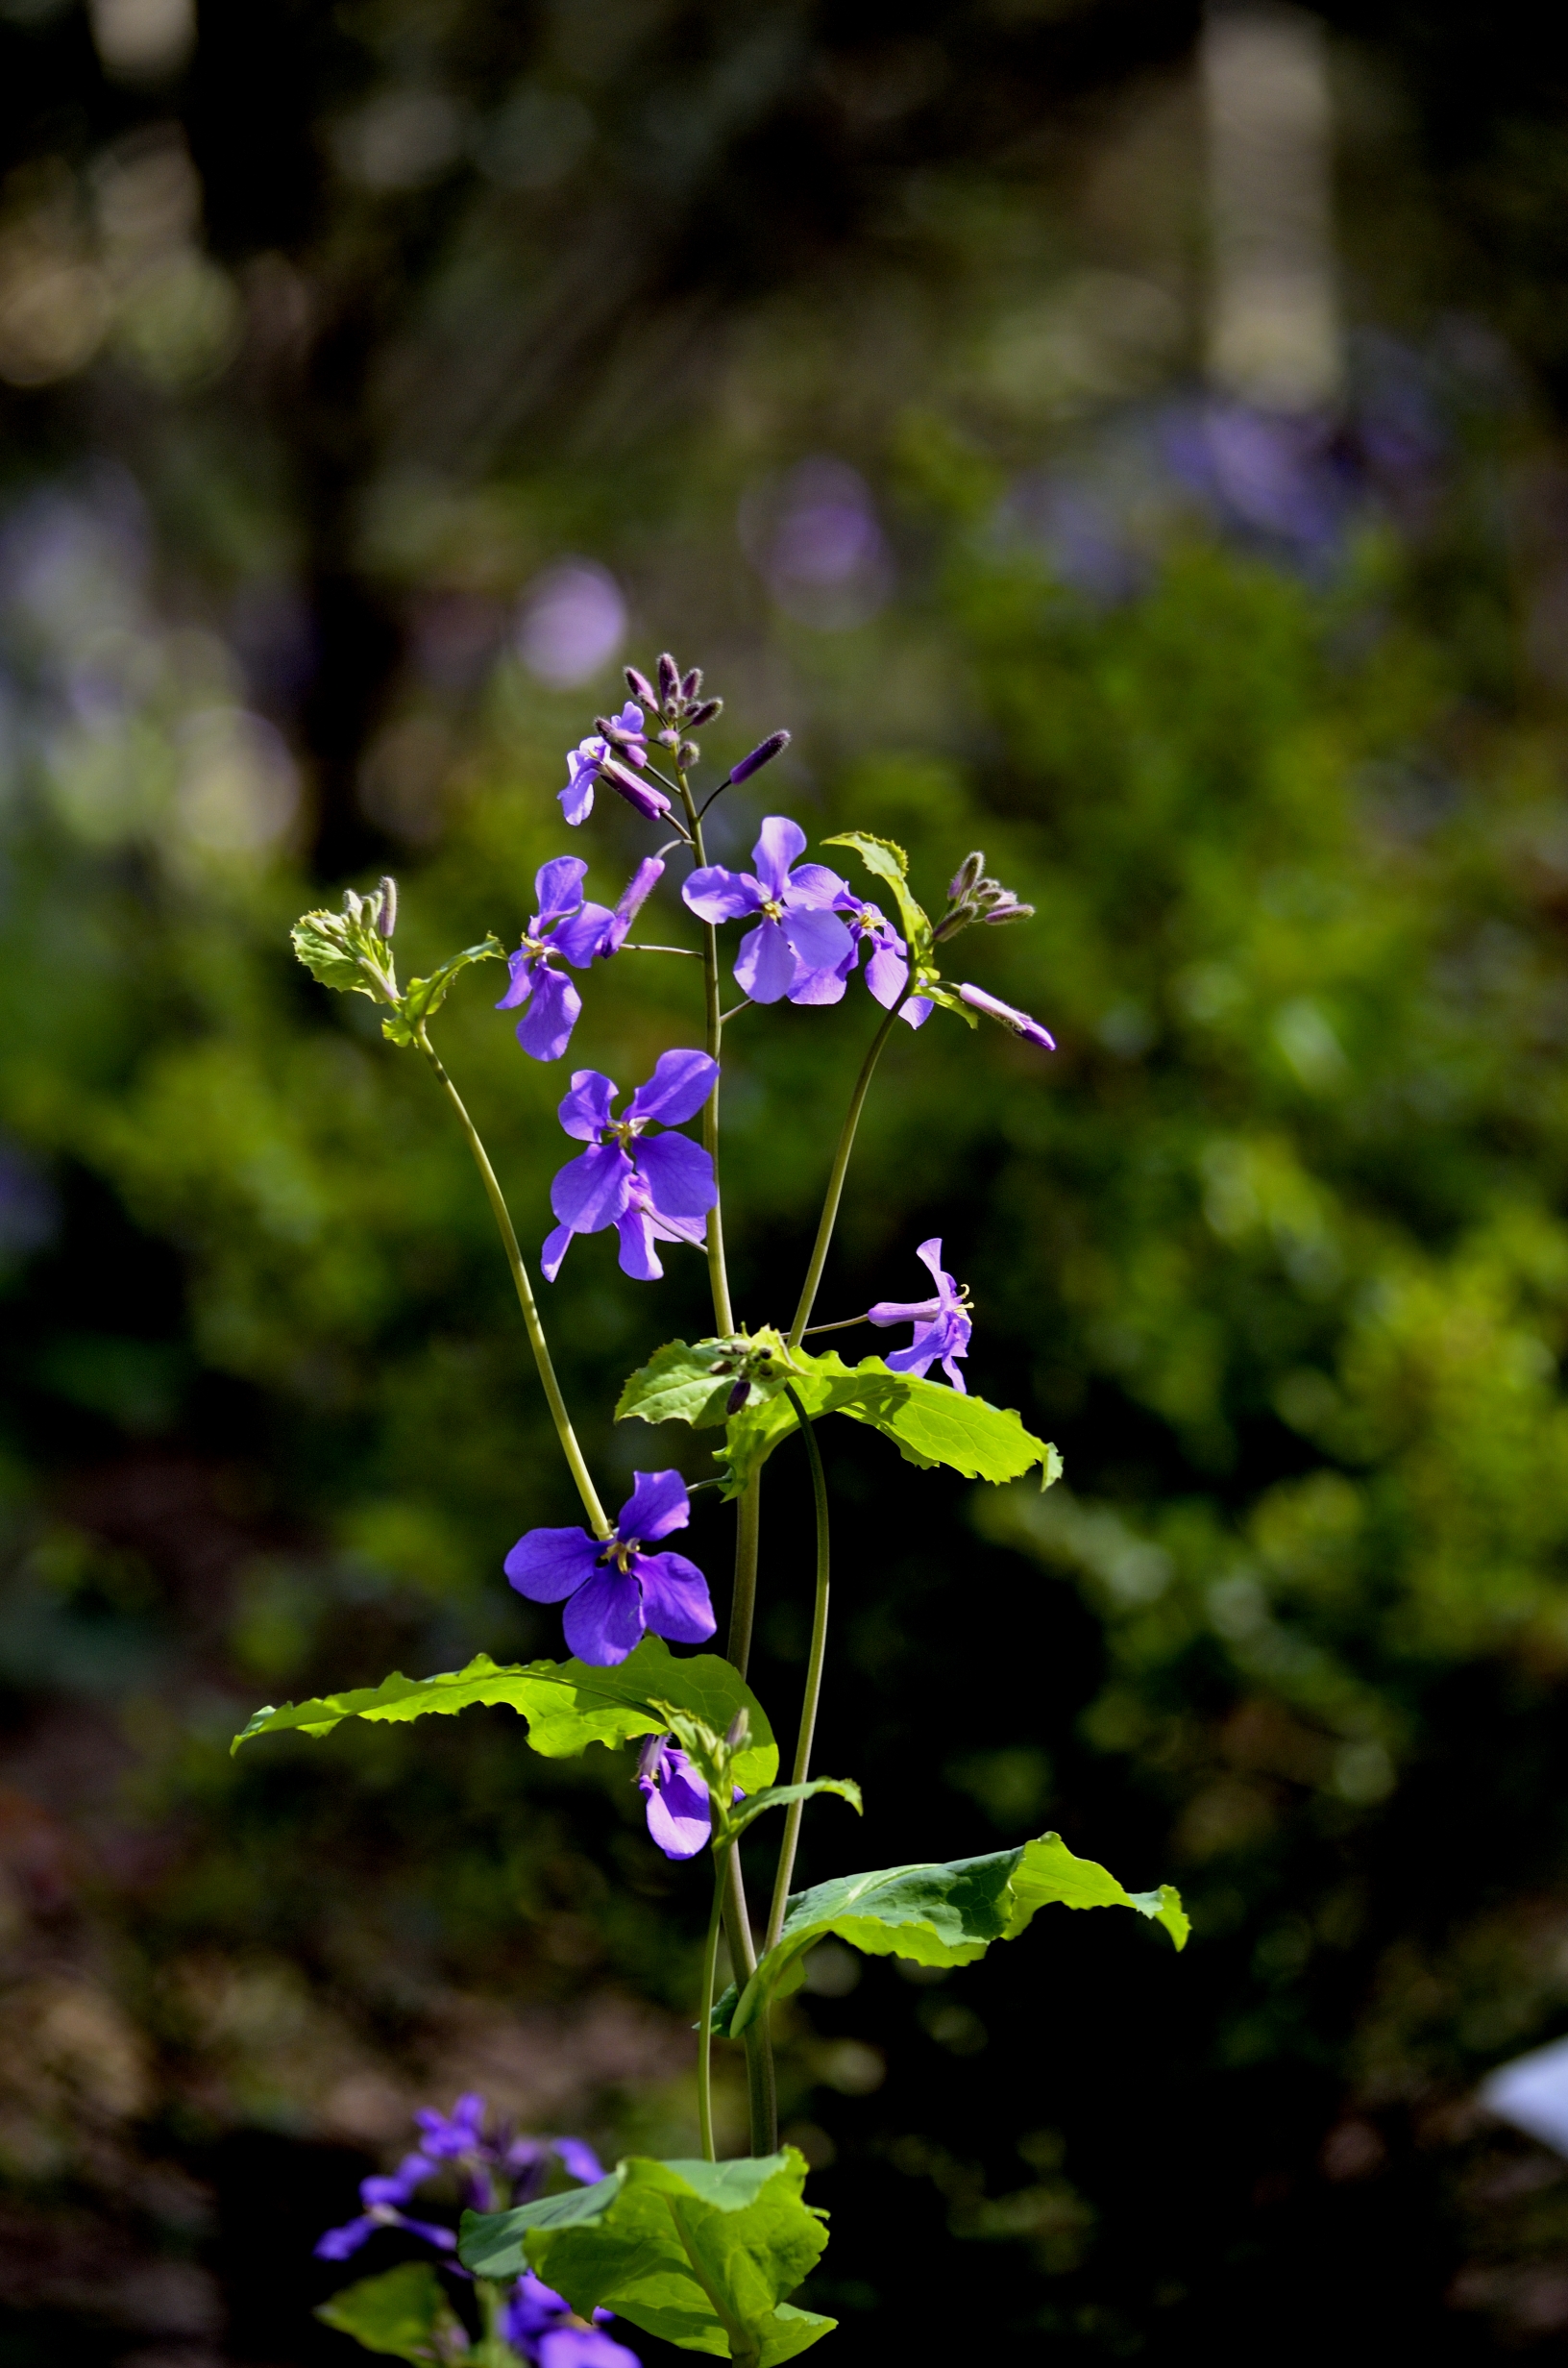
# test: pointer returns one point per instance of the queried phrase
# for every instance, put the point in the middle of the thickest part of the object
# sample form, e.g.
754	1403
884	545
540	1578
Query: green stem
742	1603
567	1436
814	1680
835	1181
762	2092
704	2022
724	1317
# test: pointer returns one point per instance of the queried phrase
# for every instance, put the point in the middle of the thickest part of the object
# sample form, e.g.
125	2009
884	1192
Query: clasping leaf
426	995
404	2312
697	1382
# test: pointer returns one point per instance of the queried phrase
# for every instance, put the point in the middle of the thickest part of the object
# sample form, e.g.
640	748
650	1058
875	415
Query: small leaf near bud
706	713
669	678
641	688
387	919
762	754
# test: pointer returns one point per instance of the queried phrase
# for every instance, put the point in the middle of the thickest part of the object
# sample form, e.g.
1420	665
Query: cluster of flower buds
678	703
972	895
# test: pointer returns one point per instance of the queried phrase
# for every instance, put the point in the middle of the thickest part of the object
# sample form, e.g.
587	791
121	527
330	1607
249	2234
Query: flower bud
386	920
690	684
1009	909
951	923
739	1728
687	755
668	680
706	713
353	905
964	880
640	687
650	802
738	1396
762	754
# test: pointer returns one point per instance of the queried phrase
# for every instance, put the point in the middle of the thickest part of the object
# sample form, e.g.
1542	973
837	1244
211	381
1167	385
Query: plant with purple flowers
701	2253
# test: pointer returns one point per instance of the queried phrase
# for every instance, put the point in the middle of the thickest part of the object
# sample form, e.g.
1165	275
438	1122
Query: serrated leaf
343	951
703	2253
887	862
405	2312
426	995
942	1914
568	1704
692	1382
779	1796
928	1422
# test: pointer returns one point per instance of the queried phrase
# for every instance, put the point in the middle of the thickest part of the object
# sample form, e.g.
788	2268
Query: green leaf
927	983
779	1796
928	1422
694	1383
887	862
343	950
426	995
703	2253
567	1705
404	2313
942	1914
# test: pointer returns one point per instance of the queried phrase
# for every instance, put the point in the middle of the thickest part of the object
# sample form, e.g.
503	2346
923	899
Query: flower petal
637	1255
766	965
676	1599
1019	1022
638	889
520	964
679	1812
549	1564
545	1029
911	1359
558	886
657	1505
338	2244
811	986
605	1619
813	883
716	895
581	935
553	1251
918	1010
680	1084
577	2159
583	2347
678	1175
585	1112
780	844
589	1191
887	975
819	937
929	1256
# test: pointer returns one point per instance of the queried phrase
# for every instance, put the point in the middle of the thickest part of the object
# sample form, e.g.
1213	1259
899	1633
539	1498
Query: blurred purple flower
650	1187
887	965
573	620
614	1591
1005	1016
541	2325
815	536
496	2171
942	1325
384	2200
799	943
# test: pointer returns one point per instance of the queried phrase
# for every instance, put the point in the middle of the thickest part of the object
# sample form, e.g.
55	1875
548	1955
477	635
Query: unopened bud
640	687
951	923
1009	909
668	680
351	905
618	737
687	755
762	754
965	878
738	1396
386	920
650	802
691	684
739	1728
706	713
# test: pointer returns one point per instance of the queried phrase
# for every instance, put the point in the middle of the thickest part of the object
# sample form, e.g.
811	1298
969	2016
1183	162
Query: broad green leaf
703	2253
779	1796
404	2313
694	1382
426	995
942	1914
567	1705
887	862
343	950
928	1422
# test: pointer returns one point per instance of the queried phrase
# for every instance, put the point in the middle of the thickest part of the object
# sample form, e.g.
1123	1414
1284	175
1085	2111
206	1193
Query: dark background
325	337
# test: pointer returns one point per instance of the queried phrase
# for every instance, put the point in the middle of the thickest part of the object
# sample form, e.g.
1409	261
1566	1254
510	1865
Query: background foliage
376	315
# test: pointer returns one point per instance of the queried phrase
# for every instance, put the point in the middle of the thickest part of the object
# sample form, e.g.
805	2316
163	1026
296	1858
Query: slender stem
742	1603
762	2091
717	1278
690	950
567	1436
705	2023
835	1181
813	1679
848	1324
734	1012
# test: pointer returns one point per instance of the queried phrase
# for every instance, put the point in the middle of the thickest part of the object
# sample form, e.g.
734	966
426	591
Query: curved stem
835	1181
704	2021
742	1603
814	1680
596	1519
762	2091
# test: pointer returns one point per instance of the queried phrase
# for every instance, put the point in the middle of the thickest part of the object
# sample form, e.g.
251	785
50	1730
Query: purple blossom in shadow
679	1812
384	2200
595	758
613	1592
886	960
800	943
541	2325
1006	1016
648	1187
495	2171
942	1325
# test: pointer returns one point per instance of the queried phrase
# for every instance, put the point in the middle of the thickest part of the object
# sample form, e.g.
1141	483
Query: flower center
771	908
620	1551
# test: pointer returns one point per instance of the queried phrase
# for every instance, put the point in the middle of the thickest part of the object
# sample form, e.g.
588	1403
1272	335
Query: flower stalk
835	1175
813	1679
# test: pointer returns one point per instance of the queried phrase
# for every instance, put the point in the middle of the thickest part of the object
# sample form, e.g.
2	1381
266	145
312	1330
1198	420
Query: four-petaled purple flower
495	2172
541	2325
384	2200
648	1187
887	965
679	1812
565	929
1019	1022
799	943
596	756
611	1589
942	1325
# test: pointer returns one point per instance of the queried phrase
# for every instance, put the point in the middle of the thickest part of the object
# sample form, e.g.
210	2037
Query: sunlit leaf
703	2253
567	1705
426	995
942	1914
694	1382
928	1422
887	862
779	1796
404	2312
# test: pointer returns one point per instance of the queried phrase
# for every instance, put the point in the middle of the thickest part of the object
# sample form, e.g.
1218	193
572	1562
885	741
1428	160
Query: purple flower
384	2200
615	1589
596	756
648	1187
679	1812
541	2325
564	929
639	888
799	942
449	2136
1019	1022
887	966
496	2171
942	1325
